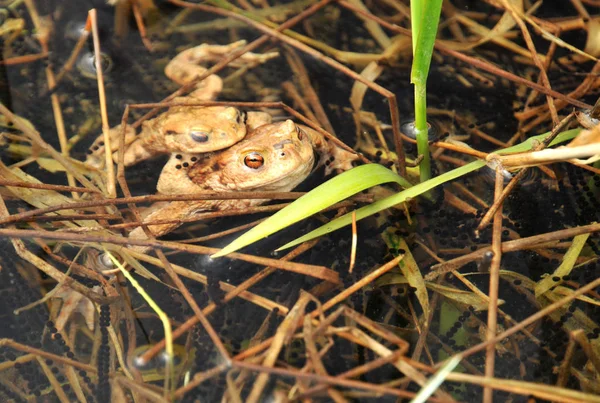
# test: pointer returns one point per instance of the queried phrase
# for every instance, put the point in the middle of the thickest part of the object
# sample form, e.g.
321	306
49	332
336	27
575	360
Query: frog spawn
523	358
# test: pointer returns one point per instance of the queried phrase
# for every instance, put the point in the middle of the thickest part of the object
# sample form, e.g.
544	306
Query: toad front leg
334	157
96	151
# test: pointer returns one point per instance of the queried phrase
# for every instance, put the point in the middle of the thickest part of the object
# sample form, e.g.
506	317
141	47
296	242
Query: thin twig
68	66
531	242
564	370
110	171
356	371
236	54
307	269
282	336
533	318
530	45
492	320
13	61
327	380
154	198
140	24
369	278
194	305
41	353
45	186
309	92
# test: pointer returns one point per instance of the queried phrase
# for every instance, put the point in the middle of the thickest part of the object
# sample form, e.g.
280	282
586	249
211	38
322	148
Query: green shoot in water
425	16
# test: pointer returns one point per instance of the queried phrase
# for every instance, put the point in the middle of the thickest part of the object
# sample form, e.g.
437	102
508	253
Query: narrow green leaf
569	260
323	196
421	188
388	202
528	144
416	21
422	132
426	34
425	17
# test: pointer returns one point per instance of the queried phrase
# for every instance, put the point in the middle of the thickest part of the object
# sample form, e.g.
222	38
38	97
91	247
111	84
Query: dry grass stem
110	173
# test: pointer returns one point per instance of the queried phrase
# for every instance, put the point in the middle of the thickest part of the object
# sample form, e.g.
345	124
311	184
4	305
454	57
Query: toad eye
254	160
300	133
200	137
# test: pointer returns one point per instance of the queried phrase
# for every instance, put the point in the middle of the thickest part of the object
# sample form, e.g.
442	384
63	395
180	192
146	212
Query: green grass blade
416	20
422	188
528	144
422	132
323	196
164	318
425	16
426	32
387	202
569	261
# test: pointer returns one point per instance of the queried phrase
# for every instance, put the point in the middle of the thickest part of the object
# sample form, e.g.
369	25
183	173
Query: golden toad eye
199	137
254	160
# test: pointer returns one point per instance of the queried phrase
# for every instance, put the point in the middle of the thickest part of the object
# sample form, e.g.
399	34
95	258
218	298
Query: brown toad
274	157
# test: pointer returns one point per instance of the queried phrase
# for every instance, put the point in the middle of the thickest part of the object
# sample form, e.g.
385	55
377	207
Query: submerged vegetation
457	262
